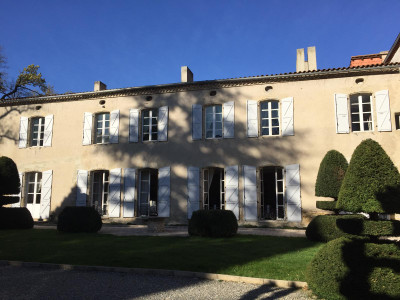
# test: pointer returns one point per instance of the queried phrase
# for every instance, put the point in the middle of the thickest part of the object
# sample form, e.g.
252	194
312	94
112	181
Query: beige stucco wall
314	126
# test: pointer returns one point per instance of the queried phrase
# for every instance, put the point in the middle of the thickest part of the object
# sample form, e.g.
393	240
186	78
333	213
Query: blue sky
135	43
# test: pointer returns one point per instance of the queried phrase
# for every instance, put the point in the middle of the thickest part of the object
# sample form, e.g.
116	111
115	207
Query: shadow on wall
7	131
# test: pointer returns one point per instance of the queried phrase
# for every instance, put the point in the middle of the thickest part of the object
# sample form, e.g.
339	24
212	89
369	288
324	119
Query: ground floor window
272	193
33	190
100	190
148	189
213	188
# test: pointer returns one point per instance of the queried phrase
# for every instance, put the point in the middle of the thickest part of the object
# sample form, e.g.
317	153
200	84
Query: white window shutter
114	201
342	113
87	128
250	193
252	118
293	199
81	187
129	192
163	205
114	126
193	201
232	189
23	132
287	116
48	130
197	122
162	125
229	120
133	125
45	199
383	110
18	204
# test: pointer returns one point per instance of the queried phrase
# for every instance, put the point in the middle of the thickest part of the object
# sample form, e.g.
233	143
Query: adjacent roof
393	50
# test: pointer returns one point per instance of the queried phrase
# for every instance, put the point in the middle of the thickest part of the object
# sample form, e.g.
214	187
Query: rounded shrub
330	174
213	223
79	219
9	181
15	218
371	183
355	269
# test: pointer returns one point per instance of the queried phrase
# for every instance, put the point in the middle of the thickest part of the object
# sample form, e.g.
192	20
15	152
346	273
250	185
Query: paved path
37	283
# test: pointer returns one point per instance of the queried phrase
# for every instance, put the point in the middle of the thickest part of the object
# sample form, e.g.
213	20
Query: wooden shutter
197	122
252	118
129	192
342	114
23	132
114	201
193	201
293	200
134	125
81	187
163	205
250	193
87	128
114	126
287	116
162	124
229	120
45	198
48	130
18	204
383	110
232	189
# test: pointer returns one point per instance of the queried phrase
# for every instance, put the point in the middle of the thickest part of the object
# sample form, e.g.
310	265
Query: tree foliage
9	181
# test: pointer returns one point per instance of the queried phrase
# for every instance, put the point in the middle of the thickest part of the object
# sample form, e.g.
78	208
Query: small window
213	188
102	128
36	132
150	125
269	116
100	187
361	112
213	124
148	190
397	120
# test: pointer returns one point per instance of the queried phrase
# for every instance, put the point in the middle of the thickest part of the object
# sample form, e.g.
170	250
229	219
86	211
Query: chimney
99	86
306	65
186	74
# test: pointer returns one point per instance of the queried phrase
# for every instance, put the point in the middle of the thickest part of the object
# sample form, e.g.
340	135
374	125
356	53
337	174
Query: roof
393	50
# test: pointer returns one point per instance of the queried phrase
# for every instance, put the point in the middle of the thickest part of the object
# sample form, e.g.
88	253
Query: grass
254	256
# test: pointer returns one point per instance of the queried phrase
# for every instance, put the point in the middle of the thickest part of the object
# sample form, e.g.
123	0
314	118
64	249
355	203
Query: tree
372	182
9	181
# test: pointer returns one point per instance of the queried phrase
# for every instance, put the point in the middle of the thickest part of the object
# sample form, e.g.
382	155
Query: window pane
275	114
154	129
279	174
275	122
218	133
355	126
366	98
274	104
281	213
146	129
366	108
209	134
368	126
209	110
354	100
31	187
265	123
366	117
265	131
107	116
30	199
218	117
275	131
355	118
146	121
154	137
264	105
146	137
354	108
218	108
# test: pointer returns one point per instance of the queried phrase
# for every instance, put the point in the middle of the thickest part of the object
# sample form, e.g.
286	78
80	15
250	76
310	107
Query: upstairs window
150	125
37	132
102	130
269	115
213	124
361	112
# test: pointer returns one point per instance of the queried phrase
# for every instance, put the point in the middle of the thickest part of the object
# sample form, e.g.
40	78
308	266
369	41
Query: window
100	191
361	112
272	193
397	120
269	115
150	125
213	188
102	128
34	188
148	192
213	124
36	132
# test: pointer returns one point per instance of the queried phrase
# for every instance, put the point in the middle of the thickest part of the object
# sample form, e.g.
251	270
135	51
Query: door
34	190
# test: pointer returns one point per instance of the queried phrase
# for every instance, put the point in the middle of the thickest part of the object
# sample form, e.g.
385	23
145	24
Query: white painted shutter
252	118
18	204
48	130
342	114
197	122
81	187
87	128
134	125
45	198
162	125
250	193
229	120
163	205
287	116
193	201
114	126
114	200
293	200
383	110
232	189
129	192
23	132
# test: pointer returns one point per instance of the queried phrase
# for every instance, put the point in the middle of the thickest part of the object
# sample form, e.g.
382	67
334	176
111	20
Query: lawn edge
210	276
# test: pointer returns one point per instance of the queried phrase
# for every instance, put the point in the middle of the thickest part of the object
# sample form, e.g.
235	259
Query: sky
137	43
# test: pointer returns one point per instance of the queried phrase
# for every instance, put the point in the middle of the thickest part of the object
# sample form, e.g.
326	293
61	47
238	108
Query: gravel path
36	283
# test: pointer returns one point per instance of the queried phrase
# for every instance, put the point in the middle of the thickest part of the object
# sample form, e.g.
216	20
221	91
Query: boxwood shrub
79	219
369	227
213	223
355	269
327	205
15	218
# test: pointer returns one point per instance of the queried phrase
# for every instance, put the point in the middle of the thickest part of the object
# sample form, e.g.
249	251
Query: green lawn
254	256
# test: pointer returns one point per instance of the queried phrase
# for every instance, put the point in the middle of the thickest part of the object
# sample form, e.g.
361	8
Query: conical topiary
9	181
371	183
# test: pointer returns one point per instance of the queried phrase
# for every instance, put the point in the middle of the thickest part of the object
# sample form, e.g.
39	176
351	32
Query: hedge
79	219
327	205
15	218
362	227
213	223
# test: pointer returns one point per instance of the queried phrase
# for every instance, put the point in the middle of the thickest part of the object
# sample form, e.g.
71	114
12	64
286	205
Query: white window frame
277	193
40	132
105	138
214	121
103	192
152	205
269	109
206	186
151	111
37	190
360	112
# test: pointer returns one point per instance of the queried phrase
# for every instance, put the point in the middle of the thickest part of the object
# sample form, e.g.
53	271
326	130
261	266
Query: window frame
104	193
361	112
40	133
105	139
214	121
150	125
270	118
